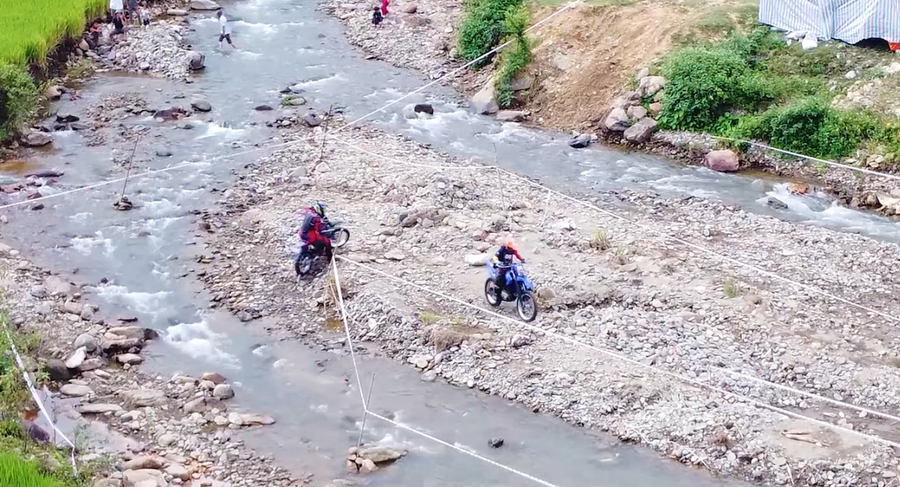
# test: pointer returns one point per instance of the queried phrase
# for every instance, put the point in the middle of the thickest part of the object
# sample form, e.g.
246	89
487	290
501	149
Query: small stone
129	358
495	442
166	439
87	341
77	358
75	390
213	377
429	376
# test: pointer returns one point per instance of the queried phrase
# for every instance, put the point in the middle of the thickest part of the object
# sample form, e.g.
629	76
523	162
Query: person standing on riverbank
132	9
224	30
116	6
384	6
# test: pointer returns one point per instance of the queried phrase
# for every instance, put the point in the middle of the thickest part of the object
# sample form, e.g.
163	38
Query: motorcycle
518	288
307	255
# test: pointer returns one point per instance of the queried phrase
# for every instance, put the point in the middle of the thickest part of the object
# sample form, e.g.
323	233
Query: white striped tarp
846	20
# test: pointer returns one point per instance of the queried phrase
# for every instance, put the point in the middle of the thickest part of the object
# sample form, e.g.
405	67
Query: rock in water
379	454
263	108
510	116
581	141
196	60
177	12
776	204
641	132
66	117
35	138
485	101
424	108
495	442
617	120
223	391
722	160
204	5
201	105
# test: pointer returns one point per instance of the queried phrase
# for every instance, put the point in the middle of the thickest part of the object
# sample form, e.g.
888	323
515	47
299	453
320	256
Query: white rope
707	251
462	450
811	158
37	399
340	302
623	358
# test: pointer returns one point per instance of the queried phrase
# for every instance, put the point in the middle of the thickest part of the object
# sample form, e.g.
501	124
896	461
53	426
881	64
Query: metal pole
325	131
366	413
128	170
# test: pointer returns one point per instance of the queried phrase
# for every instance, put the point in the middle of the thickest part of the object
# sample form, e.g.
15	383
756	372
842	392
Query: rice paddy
29	29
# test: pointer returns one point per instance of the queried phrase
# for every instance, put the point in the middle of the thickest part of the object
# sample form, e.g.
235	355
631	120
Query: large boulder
636	112
424	108
650	85
722	160
142	477
485	101
641	132
205	5
617	120
379	454
35	138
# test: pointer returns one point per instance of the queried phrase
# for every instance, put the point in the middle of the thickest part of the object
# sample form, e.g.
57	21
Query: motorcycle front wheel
492	293
340	238
526	307
303	265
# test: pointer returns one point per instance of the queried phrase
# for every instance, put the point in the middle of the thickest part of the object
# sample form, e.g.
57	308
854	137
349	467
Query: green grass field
29	29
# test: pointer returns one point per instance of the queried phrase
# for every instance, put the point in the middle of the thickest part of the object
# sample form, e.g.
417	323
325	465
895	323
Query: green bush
703	84
18	99
515	57
811	127
482	27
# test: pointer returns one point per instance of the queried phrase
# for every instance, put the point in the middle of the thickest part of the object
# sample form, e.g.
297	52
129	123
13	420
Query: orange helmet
510	243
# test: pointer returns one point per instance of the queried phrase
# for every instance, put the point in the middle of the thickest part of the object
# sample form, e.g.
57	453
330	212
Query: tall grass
16	472
29	29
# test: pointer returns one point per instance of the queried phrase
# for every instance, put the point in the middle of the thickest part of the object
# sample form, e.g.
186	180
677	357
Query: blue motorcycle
518	288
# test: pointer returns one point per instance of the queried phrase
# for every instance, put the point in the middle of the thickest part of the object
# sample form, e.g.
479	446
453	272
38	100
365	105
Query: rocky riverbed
141	427
613	285
421	35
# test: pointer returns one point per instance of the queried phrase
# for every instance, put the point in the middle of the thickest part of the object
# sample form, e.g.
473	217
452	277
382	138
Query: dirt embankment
584	60
613	286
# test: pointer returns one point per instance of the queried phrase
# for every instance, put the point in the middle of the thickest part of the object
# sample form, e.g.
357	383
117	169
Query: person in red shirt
384	6
314	221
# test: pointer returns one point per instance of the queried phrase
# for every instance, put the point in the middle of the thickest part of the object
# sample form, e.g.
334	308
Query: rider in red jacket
314	221
504	258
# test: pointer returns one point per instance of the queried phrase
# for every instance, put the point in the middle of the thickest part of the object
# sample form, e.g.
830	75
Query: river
146	253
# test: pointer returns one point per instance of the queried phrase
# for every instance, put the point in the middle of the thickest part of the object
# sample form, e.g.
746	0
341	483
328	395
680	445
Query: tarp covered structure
850	21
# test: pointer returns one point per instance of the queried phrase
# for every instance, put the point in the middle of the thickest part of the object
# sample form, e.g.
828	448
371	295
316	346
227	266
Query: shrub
18	99
811	127
482	27
704	83
515	57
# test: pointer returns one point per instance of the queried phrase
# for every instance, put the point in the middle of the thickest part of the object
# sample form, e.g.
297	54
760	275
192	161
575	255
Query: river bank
133	423
607	284
422	36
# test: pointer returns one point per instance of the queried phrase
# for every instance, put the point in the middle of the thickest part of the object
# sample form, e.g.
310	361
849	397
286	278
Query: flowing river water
146	252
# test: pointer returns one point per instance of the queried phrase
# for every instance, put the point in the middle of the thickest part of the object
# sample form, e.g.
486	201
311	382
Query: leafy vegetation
757	86
515	57
18	98
487	23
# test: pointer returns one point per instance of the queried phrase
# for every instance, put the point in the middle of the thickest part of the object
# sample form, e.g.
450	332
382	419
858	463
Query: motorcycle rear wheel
526	307
340	238
492	293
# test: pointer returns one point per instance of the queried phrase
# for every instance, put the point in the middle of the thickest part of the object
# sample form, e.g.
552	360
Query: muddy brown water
145	252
